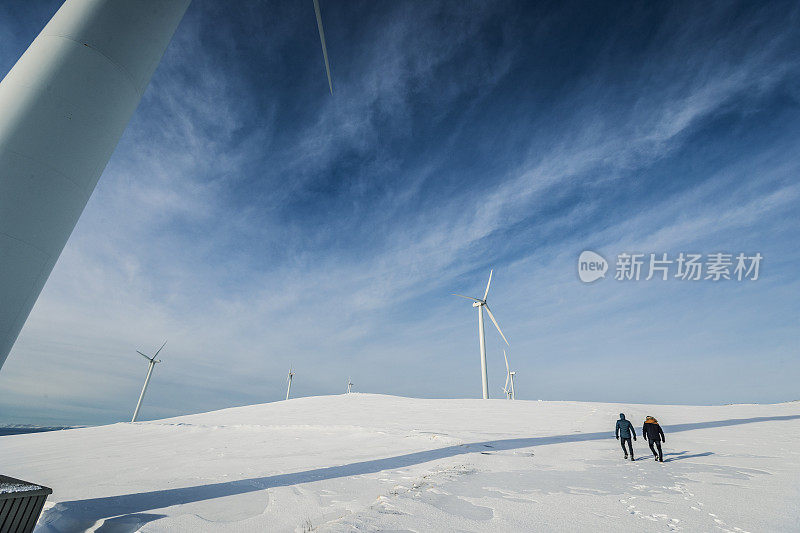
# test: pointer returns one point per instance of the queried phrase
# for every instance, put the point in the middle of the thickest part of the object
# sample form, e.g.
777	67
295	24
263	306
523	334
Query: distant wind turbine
510	394
349	386
480	304
153	362
289	382
322	40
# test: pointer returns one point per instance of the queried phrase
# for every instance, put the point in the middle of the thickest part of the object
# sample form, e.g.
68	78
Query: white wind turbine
480	304
289	382
510	394
121	44
153	362
349	386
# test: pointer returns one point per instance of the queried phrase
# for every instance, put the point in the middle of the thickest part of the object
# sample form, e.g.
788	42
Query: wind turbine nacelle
476	304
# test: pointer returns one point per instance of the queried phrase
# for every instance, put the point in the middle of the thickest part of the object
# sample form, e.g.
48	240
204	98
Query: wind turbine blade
467	297
143	355
495	323
159	350
322	40
506	358
485	294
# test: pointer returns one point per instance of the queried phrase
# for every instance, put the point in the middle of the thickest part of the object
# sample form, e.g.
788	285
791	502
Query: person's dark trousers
622	441
658	445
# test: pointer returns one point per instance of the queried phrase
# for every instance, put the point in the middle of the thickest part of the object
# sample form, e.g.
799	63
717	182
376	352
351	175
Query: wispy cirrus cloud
255	222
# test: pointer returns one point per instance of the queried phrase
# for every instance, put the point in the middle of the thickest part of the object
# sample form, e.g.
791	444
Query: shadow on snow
683	456
89	511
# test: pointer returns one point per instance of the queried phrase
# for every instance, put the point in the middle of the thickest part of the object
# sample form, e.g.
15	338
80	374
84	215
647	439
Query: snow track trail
363	462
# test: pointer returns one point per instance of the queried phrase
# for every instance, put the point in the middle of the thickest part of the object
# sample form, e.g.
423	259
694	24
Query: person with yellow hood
654	435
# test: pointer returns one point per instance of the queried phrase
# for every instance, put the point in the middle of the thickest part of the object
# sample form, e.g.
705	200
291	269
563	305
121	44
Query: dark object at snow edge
21	504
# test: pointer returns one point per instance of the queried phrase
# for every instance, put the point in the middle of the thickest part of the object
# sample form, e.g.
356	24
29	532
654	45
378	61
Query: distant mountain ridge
21	429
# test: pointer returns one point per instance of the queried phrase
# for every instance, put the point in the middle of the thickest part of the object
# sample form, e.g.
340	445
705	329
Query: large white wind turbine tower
289	382
153	362
65	104
480	304
349	386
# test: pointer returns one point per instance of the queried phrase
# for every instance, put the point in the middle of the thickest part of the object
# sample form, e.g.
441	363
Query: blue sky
256	221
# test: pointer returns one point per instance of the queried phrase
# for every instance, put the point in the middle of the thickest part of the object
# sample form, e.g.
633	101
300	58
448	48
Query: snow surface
8	488
363	462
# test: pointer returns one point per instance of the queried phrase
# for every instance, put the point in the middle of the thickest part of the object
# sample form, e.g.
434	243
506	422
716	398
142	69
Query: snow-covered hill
369	462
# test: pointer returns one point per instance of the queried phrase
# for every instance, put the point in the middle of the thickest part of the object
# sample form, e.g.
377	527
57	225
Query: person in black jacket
625	429
652	431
